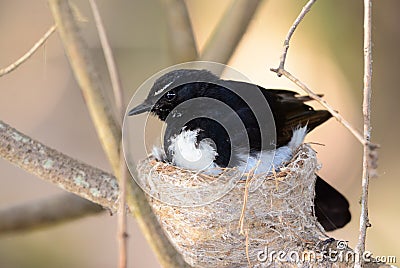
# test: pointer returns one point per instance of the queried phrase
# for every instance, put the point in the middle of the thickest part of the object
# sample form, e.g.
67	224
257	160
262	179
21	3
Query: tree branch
230	30
323	102
28	54
109	133
119	102
281	71
50	165
370	156
181	39
289	35
367	156
88	79
46	212
111	65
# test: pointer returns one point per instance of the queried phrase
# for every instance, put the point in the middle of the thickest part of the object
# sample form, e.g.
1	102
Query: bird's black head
172	89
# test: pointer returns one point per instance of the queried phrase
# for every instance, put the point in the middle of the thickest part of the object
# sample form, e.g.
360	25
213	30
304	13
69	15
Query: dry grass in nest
231	230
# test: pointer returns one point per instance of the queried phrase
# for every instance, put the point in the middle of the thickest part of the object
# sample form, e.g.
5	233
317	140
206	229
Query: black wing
290	111
331	207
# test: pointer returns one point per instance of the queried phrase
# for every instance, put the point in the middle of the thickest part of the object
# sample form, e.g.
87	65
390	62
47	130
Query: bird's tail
331	207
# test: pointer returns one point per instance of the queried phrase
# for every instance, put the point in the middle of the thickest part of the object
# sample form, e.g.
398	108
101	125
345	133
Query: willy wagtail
197	106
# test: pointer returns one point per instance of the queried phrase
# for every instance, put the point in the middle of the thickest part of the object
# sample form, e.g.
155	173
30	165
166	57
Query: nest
231	230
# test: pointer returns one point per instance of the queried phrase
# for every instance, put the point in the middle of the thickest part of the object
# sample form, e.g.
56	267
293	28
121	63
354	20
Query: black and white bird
199	108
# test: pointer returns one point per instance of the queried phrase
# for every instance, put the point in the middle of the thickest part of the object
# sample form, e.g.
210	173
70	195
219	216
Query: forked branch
370	155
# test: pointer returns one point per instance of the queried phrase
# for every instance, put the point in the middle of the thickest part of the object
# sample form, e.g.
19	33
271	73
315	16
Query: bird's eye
170	95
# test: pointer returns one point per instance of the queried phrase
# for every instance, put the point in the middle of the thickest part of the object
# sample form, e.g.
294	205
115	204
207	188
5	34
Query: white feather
298	137
265	160
158	153
188	155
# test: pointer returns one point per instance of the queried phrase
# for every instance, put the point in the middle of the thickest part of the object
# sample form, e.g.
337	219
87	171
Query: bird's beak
141	108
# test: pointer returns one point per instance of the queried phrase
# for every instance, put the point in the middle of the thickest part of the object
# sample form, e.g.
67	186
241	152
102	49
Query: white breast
200	157
189	155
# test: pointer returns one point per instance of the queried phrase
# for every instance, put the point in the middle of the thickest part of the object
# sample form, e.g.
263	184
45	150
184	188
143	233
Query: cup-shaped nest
236	224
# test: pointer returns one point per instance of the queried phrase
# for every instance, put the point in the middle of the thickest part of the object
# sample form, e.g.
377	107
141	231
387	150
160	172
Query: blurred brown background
42	99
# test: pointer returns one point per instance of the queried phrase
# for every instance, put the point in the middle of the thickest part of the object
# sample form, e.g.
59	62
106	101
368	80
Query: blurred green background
42	99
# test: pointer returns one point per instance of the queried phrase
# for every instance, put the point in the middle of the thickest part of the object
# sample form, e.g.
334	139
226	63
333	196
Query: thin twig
369	154
230	30
111	65
45	212
324	103
88	79
122	219
364	220
246	233
282	71
182	43
28	54
289	35
50	165
245	198
119	103
87	76
249	178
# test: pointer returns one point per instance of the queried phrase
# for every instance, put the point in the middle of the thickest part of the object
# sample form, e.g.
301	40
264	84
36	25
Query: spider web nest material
278	214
